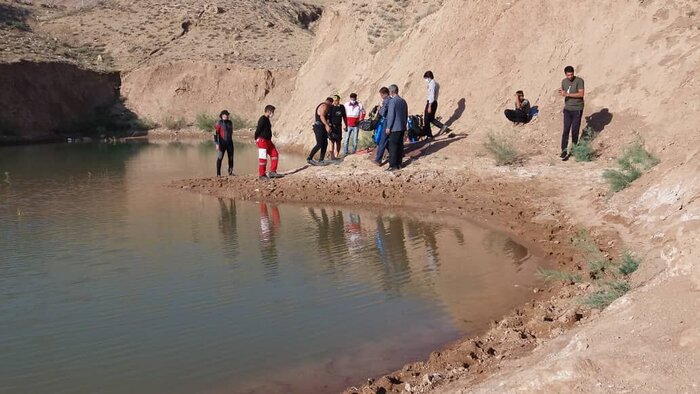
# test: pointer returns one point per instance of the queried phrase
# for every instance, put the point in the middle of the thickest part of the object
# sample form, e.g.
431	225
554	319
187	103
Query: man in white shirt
354	113
431	106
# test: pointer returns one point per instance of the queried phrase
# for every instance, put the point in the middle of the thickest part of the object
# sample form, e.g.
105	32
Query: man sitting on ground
521	113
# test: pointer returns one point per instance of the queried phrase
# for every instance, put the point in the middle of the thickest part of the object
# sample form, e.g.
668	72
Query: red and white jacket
355	112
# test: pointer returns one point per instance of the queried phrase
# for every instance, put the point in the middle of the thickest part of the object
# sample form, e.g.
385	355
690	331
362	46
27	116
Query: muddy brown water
112	283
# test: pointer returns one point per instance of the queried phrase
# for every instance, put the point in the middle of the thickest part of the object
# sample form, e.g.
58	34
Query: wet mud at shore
517	206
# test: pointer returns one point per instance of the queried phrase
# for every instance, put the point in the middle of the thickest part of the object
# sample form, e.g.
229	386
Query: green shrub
19	25
619	180
604	297
241	123
144	124
635	159
595	259
174	124
637	154
550	275
502	149
583	150
365	140
205	122
628	264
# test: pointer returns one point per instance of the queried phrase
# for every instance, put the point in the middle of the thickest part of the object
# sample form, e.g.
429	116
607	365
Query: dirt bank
40	99
182	90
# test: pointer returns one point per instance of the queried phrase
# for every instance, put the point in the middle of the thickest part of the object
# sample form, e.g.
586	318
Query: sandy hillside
182	59
22	41
140	33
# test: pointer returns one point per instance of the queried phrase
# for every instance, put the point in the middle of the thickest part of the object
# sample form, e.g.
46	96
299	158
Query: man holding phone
572	89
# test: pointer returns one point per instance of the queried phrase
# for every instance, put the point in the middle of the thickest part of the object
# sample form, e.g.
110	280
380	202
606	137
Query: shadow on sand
598	120
459	111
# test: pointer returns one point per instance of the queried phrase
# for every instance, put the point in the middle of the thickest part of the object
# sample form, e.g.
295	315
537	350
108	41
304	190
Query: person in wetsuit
337	118
223	138
321	129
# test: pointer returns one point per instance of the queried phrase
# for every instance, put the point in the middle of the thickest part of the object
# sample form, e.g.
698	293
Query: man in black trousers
396	123
573	91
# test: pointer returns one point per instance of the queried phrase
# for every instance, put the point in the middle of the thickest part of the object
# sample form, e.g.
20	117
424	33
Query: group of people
573	91
330	116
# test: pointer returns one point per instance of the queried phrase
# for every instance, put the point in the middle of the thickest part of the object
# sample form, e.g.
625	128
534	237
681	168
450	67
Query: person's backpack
367	125
415	127
378	130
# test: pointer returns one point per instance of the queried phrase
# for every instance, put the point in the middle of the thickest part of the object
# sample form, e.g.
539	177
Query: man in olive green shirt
572	89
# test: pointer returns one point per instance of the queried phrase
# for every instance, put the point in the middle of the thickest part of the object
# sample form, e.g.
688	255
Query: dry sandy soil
639	60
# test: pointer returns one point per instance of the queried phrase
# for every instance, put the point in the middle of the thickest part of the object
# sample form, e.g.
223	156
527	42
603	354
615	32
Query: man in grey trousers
396	123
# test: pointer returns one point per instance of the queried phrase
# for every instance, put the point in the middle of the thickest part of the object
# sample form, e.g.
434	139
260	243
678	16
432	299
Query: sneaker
391	169
263	178
564	154
376	163
230	171
443	130
273	174
310	161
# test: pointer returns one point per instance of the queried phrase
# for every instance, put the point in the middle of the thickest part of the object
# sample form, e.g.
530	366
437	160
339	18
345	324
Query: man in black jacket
263	139
223	138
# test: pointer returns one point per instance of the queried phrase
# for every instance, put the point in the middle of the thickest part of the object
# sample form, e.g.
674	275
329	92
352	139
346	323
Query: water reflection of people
329	235
269	226
427	232
393	246
353	232
502	244
228	228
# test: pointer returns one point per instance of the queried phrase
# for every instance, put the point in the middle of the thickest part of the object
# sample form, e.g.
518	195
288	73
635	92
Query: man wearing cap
223	138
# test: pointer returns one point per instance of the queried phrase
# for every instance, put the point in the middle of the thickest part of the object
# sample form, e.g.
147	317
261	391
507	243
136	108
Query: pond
112	283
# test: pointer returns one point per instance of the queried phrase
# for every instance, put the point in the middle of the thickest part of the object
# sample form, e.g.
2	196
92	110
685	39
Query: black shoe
565	158
273	175
391	169
310	161
263	178
564	154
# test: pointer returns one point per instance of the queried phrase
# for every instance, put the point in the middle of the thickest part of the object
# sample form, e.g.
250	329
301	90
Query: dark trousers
321	142
572	123
429	119
381	147
396	148
227	148
517	116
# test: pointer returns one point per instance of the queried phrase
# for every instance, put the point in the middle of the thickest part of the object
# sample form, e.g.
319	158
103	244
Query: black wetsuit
223	138
336	118
321	135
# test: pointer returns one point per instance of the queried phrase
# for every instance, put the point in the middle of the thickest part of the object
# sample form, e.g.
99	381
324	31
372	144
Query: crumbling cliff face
38	100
